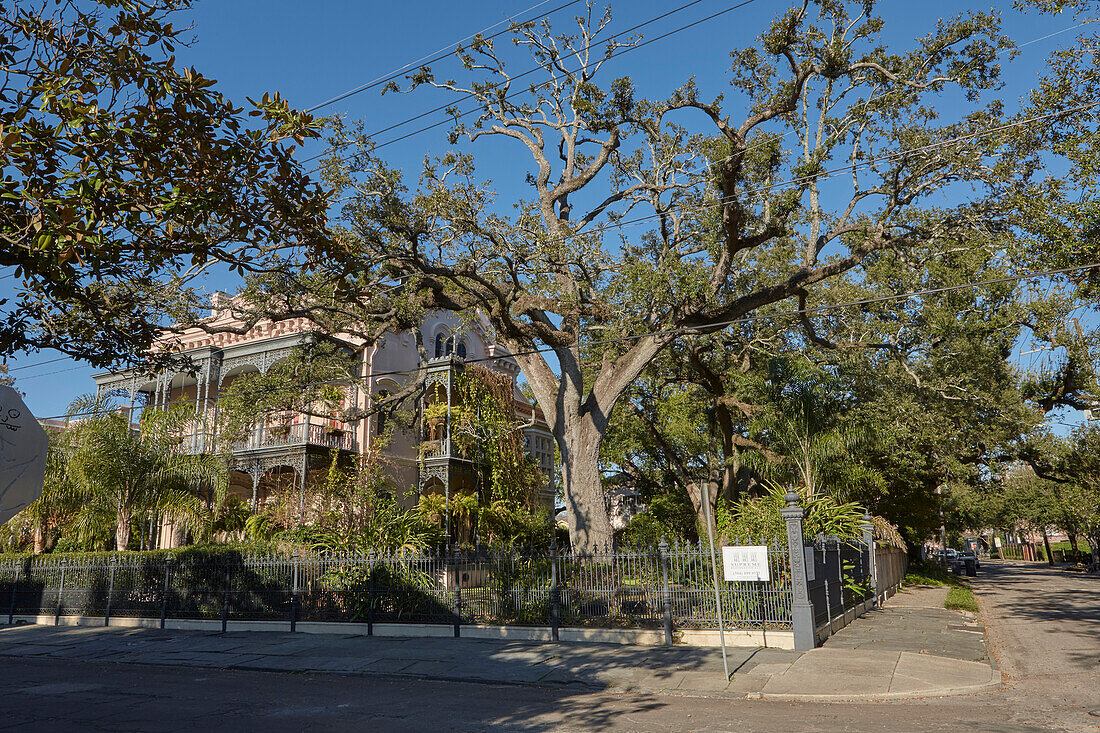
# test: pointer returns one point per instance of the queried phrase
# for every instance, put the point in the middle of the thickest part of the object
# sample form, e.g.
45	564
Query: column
802	611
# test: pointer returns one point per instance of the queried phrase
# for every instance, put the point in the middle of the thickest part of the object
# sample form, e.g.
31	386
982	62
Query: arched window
441	343
461	349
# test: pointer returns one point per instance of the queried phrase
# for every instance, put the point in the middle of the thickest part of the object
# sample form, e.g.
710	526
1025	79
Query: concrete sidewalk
909	649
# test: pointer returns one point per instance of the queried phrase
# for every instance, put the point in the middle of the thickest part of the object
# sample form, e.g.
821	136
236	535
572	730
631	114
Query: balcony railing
435	449
277	435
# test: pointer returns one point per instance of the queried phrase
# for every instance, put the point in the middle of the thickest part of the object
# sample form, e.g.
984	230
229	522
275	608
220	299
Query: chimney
219	301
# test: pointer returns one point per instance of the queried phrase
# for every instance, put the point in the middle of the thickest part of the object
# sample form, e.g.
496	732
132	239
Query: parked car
970	555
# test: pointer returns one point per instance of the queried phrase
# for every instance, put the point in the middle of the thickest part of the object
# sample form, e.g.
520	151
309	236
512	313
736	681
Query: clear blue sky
311	52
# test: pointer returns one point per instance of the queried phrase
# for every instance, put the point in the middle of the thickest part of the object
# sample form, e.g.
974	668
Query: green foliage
306	382
484	429
961	598
106	476
803	422
561	274
352	510
667	516
102	209
503	506
759	518
929	573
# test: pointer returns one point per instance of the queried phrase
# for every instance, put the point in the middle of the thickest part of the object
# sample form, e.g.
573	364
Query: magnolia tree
127	176
649	219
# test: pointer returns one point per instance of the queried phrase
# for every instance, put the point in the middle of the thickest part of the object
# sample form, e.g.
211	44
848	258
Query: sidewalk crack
893	672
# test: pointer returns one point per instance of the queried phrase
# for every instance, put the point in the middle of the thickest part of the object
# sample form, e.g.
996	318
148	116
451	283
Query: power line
831	173
494	85
440	55
534	69
38	364
57	371
846	169
670	332
867	102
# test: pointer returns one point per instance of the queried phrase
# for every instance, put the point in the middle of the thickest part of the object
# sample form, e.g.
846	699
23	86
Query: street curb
593	685
867	697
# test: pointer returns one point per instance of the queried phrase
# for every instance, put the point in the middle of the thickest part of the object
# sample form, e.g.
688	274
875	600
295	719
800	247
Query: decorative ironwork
627	588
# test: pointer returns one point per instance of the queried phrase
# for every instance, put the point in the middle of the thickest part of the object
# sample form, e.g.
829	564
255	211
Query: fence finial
793	510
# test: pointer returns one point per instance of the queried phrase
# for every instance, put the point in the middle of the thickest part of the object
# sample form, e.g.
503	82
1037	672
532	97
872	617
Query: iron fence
625	588
841	578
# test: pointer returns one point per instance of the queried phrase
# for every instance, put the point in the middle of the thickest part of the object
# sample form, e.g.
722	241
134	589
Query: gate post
110	590
666	595
60	593
802	612
555	593
164	593
872	569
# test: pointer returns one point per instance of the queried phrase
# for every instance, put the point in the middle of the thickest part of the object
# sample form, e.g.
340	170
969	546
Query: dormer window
445	346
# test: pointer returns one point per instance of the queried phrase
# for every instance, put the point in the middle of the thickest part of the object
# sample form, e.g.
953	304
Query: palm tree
58	500
807	428
122	473
56	505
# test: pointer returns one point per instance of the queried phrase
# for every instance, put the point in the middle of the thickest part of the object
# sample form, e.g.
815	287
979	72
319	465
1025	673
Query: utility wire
50	374
442	53
670	332
41	363
493	85
867	102
828	174
534	69
831	173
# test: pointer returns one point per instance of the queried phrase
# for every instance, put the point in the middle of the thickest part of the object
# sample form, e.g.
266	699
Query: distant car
970	555
938	555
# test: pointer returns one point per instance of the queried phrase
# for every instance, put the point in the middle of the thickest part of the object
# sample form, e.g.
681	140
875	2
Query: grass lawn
961	598
959	595
930	573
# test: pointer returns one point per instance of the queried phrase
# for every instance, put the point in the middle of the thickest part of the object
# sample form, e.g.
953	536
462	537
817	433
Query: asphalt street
1044	623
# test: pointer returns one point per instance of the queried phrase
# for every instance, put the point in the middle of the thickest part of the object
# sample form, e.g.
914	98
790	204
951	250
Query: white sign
23	445
996	541
746	562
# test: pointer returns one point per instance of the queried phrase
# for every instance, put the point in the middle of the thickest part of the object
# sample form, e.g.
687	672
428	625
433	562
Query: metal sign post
704	493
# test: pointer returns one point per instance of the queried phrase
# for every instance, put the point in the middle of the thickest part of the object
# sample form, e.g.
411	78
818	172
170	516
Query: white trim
640	637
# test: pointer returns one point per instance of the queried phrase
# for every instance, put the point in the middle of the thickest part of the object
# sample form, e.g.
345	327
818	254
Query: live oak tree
735	196
1070	470
879	403
126	175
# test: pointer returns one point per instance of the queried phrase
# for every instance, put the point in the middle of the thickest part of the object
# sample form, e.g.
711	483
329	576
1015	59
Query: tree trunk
695	493
122	529
1046	546
731	456
39	538
589	523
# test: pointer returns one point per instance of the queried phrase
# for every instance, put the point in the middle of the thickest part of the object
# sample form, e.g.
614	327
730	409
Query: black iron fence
664	586
840	579
812	590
